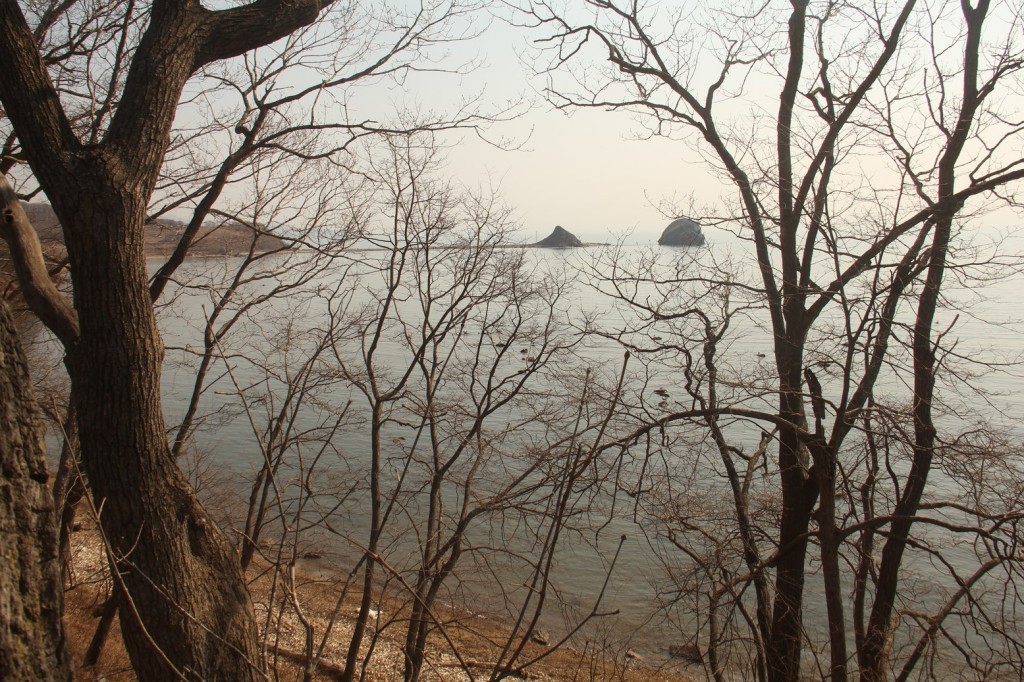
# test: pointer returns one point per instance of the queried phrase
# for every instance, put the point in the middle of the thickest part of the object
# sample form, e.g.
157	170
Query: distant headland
162	236
235	239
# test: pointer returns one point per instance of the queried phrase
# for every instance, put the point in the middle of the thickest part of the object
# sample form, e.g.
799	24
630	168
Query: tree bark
799	493
32	643
182	592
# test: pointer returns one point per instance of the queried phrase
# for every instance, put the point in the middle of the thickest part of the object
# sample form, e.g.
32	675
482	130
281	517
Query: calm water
988	327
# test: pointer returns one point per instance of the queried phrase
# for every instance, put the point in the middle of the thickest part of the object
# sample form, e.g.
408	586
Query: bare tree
851	267
450	340
425	385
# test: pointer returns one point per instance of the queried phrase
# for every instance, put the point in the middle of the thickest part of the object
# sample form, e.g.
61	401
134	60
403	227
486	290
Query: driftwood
331	670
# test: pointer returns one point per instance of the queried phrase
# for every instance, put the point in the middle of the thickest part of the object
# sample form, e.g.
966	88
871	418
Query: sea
619	578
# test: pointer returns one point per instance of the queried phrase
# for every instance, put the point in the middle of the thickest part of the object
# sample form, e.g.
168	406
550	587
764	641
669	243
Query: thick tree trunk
31	631
787	617
184	608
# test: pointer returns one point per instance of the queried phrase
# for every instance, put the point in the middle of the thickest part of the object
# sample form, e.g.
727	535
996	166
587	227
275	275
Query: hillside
231	239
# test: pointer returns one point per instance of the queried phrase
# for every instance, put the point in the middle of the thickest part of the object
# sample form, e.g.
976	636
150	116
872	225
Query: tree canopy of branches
858	141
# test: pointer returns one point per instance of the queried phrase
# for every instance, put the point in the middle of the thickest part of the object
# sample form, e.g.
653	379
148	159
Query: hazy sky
585	170
589	171
584	173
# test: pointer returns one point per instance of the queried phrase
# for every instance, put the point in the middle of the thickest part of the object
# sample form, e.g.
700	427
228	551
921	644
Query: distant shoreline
151	255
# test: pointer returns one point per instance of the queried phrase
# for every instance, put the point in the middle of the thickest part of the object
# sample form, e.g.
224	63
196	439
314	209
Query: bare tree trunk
829	540
68	490
185	610
376	508
798	497
200	620
31	599
878	636
102	632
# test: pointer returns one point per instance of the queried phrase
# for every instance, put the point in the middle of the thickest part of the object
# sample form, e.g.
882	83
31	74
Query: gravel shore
292	604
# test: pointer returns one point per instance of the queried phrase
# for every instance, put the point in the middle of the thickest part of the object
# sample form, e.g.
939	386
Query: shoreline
367	249
276	593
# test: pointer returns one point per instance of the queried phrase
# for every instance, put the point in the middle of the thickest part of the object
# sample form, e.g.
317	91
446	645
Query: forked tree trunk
31	632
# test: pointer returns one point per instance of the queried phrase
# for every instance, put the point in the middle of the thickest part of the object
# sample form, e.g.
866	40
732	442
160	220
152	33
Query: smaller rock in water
539	637
682	232
687	652
560	238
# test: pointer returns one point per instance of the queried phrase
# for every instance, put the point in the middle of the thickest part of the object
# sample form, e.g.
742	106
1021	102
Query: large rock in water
682	232
560	238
